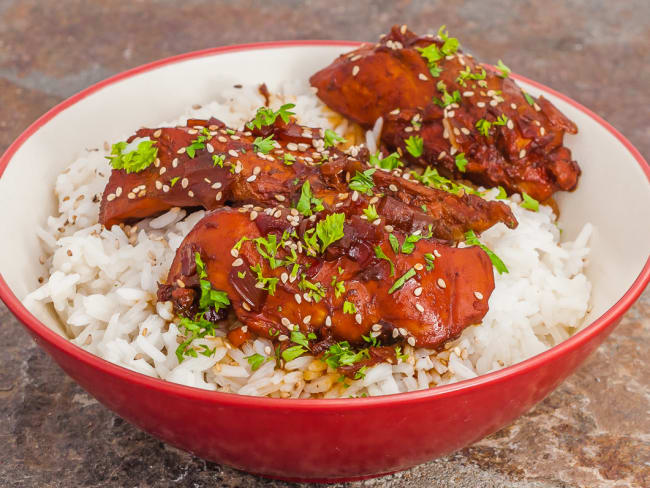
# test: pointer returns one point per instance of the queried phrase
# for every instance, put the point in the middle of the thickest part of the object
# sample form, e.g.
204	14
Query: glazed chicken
235	168
333	278
441	108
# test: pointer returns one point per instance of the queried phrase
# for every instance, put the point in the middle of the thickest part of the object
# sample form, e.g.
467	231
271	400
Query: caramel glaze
431	307
392	80
250	177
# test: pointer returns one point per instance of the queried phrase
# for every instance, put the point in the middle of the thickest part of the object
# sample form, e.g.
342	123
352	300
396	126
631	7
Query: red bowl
313	440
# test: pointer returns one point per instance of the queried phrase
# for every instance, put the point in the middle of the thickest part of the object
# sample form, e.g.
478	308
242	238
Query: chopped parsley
316	290
297	337
467	74
394	243
501	120
307	199
289	159
198	143
429	260
529	202
529	99
339	287
330	229
267	247
472	240
483	127
401	280
264	145
209	296
450	44
265	116
268	284
432	53
504	70
408	246
379	252
399	355
415	146
461	162
362	182
361	373
389	162
349	307
331	138
256	360
173	181
134	161
502	195
340	354
291	353
371	213
217	160
197	328
240	242
432	178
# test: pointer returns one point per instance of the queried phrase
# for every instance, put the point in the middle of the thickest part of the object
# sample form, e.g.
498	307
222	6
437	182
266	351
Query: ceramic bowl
312	439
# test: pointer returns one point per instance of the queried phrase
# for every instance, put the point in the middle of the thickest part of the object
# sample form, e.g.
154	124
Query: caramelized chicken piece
232	168
276	280
460	109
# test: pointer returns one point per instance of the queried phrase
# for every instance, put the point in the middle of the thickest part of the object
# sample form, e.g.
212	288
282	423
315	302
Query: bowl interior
613	194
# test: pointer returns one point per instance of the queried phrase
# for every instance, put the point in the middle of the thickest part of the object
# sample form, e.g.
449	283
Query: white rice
102	284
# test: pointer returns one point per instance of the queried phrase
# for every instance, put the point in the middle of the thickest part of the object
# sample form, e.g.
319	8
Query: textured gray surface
593	431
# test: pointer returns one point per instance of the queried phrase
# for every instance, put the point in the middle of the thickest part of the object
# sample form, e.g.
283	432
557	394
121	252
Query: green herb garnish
340	354
265	116
362	182
134	161
291	353
401	280
379	252
349	307
415	146
256	360
529	202
307	199
461	162
330	229
265	145
371	213
472	240
218	160
331	138
390	162
505	71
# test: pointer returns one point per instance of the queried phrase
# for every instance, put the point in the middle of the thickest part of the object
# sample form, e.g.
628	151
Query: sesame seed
306	297
355	196
389	228
376	327
283	337
355	70
190	194
209	147
358	318
480	104
185	182
395	333
253	215
522	153
218	196
238	262
403	331
542	131
234	252
452	150
468	94
436	253
513	106
131	195
450	114
537	107
158	185
306	320
251	178
419	307
216	186
110	197
192	131
418	291
222	139
180	283
284	277
268	350
232	152
392	187
441	283
181	150
419	266
118	191
403	29
423	77
493	103
456	131
510	125
234	137
298	298
157	133
165	188
478	295
465	130
280	198
411	341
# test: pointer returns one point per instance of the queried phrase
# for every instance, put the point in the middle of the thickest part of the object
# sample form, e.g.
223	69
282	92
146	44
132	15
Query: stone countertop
594	430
